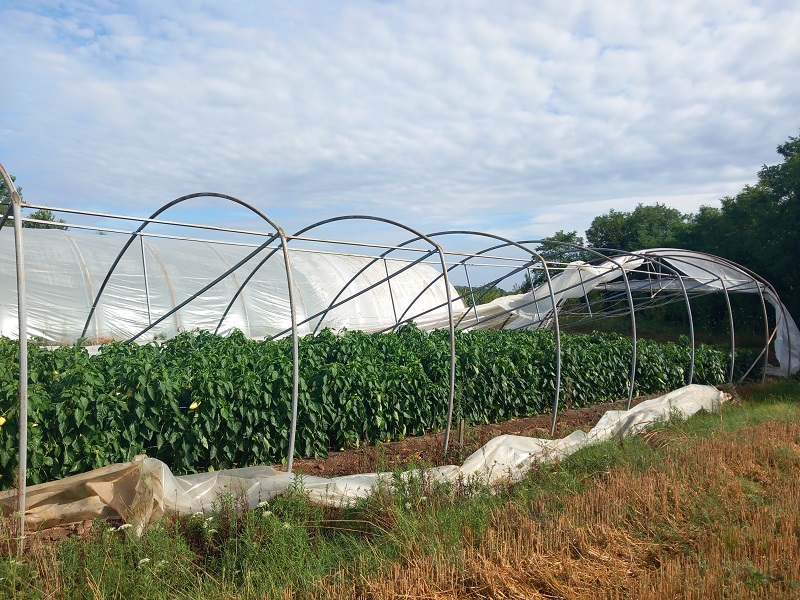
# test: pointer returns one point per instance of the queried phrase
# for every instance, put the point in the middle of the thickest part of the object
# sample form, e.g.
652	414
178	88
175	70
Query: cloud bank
519	118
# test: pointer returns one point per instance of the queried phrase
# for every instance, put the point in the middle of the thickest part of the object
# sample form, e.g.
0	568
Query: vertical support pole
535	301
558	346
691	324
733	333
452	388
295	351
391	295
633	335
146	289
766	333
585	295
471	295
788	338
22	316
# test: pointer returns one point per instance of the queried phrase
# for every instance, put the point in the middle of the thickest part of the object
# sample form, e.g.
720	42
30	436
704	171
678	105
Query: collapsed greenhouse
144	286
89	287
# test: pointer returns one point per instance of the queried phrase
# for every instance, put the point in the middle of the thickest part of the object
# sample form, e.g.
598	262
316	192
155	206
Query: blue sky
519	118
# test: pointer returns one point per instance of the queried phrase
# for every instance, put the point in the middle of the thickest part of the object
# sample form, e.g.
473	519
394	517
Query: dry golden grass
717	518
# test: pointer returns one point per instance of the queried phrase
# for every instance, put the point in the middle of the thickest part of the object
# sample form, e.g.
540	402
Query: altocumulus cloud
518	117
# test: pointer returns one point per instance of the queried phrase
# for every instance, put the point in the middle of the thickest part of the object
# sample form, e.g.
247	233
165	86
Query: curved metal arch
632	379
333	304
727	302
552	300
455	266
507	243
437	250
683	289
591	251
757	279
146	222
769	336
289	281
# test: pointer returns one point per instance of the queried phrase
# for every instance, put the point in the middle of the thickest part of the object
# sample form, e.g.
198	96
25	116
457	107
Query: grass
706	508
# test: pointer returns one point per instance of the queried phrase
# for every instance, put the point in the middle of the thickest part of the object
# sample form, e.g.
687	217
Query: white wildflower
262	504
408	505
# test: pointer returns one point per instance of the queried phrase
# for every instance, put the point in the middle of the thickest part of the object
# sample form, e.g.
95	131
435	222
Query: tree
5	196
558	250
43	215
40	215
650	226
563	249
760	227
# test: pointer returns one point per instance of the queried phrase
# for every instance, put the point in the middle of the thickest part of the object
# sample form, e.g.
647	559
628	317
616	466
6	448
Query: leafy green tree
759	227
558	250
43	215
647	226
481	295
40	215
562	250
5	196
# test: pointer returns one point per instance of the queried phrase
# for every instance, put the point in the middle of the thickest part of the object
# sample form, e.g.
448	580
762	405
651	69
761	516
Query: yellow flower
2	421
194	405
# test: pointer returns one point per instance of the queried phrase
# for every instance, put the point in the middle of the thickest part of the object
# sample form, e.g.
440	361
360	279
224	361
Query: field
705	508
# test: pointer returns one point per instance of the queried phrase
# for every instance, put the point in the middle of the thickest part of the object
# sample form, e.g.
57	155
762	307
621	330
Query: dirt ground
426	450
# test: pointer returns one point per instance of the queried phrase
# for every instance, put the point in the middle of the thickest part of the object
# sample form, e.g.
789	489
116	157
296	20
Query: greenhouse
146	284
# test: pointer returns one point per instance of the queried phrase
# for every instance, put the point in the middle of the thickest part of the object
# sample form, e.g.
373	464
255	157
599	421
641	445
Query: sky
516	118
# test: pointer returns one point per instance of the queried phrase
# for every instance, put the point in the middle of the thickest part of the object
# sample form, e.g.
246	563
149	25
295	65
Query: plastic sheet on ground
144	490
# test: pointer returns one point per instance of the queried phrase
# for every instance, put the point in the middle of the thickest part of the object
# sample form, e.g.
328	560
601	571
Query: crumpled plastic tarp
144	490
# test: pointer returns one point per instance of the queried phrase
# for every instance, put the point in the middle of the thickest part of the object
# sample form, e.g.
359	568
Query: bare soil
426	450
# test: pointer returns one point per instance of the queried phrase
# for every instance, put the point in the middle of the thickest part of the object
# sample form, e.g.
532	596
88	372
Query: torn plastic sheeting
144	490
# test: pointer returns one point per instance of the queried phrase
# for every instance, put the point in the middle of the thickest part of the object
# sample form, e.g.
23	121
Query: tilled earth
426	450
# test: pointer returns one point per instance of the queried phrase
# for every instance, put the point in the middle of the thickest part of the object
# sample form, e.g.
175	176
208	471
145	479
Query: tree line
759	228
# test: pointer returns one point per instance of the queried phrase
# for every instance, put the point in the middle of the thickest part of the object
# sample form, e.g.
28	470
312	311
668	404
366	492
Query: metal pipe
437	250
9	210
766	332
633	338
22	319
538	257
146	288
471	295
295	352
391	295
733	333
138	231
202	291
585	295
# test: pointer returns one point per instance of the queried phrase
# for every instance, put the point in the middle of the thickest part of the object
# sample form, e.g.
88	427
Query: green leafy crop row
199	401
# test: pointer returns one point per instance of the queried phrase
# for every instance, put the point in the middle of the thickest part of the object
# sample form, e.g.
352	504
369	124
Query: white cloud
514	117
